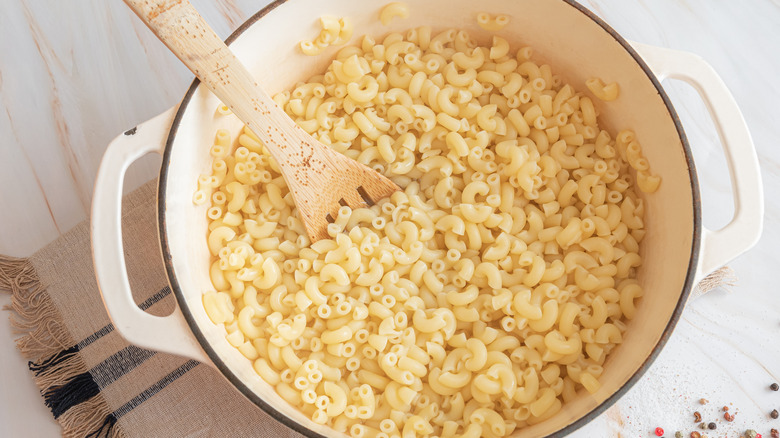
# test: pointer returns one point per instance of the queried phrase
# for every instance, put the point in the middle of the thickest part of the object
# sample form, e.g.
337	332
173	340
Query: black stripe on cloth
164	292
95	336
46	365
113	417
108	328
154	389
87	385
119	364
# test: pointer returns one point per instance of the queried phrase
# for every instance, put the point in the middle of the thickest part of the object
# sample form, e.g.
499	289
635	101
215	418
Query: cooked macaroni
603	91
487	22
474	302
392	10
335	32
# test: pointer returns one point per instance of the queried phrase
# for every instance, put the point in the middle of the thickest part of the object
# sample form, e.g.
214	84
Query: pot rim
588	417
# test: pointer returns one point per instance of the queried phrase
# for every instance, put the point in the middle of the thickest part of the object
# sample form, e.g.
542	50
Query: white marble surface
73	74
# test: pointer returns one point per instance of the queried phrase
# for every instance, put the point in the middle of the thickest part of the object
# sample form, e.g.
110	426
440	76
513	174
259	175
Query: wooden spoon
320	179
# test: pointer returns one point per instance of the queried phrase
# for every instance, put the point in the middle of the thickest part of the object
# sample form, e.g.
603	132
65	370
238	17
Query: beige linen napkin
94	382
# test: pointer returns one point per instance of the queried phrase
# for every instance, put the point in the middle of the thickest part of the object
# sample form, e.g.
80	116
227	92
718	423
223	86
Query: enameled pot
677	250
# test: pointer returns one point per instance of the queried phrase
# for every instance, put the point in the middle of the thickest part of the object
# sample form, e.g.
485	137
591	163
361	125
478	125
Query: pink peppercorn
659	431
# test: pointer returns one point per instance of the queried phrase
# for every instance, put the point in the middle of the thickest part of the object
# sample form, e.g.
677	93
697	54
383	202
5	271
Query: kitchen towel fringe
32	312
11	269
47	366
59	399
90	419
64	371
59	371
108	424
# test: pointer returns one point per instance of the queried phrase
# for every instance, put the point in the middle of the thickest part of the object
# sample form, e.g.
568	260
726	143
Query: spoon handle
184	31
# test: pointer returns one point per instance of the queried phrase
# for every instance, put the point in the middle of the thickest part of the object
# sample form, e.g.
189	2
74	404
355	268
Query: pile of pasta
474	302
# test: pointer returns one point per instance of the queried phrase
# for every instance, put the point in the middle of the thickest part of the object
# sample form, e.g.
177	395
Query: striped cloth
94	382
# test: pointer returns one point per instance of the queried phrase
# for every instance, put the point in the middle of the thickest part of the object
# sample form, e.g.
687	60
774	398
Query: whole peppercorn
678	434
703	401
712	426
696	417
659	431
774	387
774	414
703	426
775	433
725	408
695	434
750	433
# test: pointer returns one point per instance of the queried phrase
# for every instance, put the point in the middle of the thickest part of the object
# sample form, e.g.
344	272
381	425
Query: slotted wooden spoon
320	179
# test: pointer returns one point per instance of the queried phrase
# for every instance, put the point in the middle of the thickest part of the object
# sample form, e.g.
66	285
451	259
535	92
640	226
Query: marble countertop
75	74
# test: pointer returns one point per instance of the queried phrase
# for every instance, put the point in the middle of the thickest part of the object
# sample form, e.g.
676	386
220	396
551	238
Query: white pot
677	250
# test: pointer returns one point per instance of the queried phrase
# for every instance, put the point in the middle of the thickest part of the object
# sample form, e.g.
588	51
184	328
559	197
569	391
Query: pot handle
170	333
719	247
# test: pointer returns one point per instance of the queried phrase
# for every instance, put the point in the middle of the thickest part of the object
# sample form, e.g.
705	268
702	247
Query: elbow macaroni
335	32
518	213
487	22
605	92
392	10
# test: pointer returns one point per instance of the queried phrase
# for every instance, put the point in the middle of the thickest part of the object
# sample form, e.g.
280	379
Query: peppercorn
703	426
750	433
774	387
695	434
659	431
774	414
696	417
712	426
678	434
775	433
725	408
703	401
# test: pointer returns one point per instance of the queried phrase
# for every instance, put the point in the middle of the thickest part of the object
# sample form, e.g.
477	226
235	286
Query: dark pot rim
595	412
